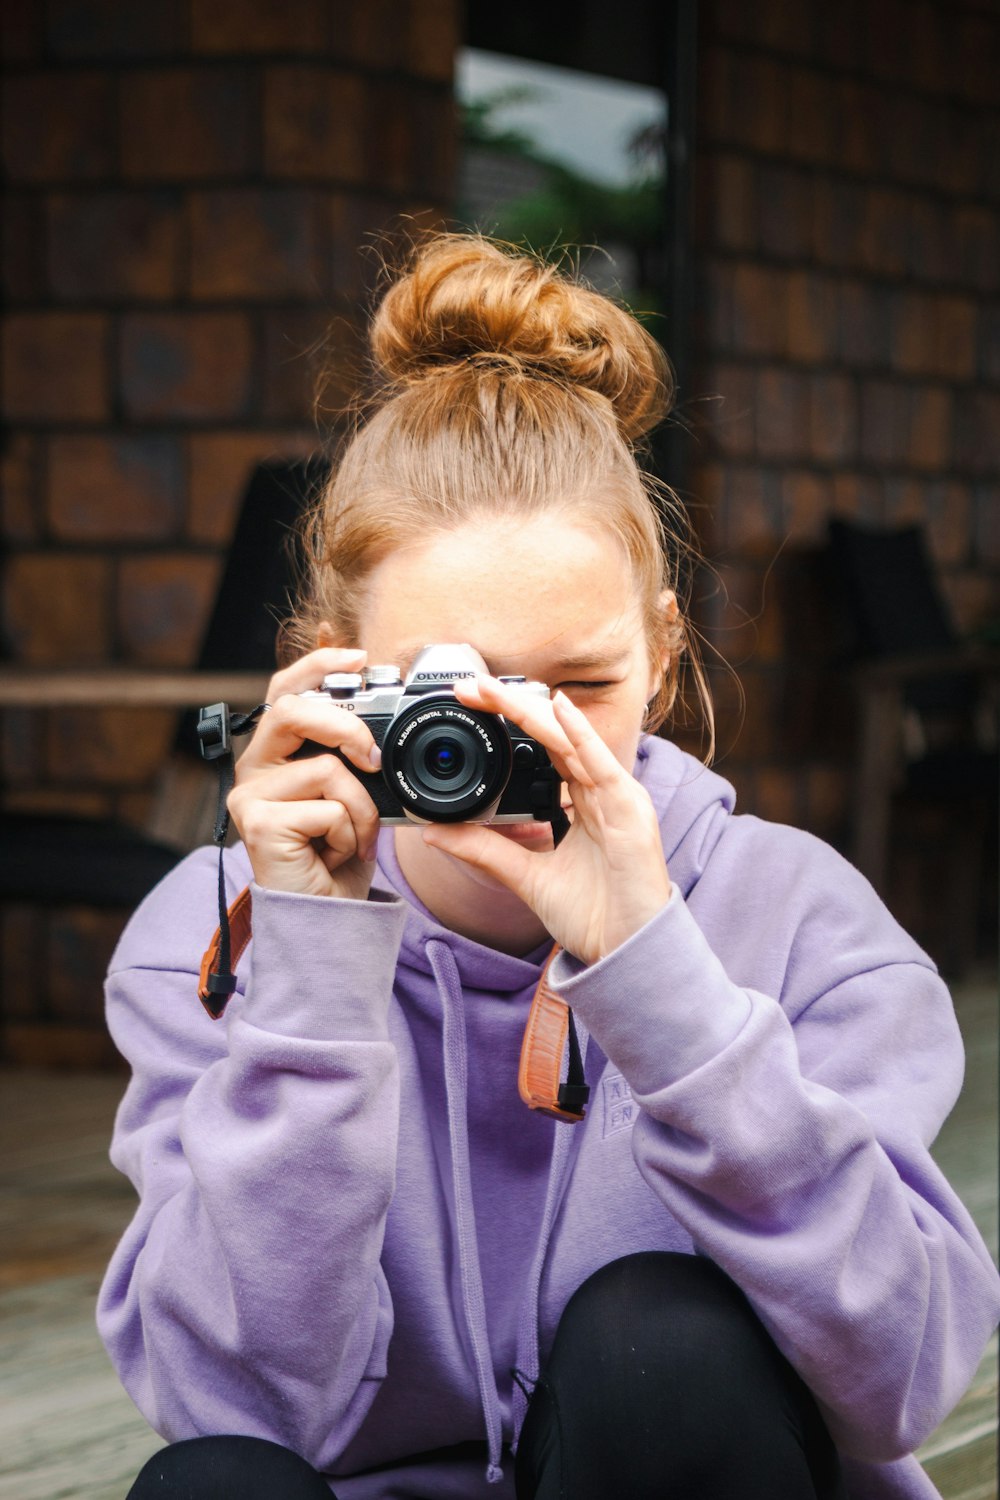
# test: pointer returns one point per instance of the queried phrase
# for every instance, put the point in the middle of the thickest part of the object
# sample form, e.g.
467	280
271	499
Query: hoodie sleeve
788	1097
246	1295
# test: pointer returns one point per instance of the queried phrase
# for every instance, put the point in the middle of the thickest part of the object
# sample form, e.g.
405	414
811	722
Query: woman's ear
325	635
668	612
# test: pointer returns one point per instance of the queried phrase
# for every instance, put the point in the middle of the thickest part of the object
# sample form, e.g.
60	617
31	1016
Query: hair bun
466	299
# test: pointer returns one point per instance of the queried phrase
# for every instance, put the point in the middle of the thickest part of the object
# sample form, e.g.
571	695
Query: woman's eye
573	687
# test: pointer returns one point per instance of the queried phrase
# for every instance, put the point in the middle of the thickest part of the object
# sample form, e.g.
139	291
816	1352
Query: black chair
927	741
99	862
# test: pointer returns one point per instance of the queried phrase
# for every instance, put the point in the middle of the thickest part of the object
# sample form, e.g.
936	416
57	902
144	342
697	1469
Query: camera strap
550	1033
216	729
549	1036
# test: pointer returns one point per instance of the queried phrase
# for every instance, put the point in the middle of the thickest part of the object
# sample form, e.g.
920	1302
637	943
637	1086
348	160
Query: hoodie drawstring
445	970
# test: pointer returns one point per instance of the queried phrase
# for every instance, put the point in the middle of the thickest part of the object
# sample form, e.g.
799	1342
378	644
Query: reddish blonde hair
504	388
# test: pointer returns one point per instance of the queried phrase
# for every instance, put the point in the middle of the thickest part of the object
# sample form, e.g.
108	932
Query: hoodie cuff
321	967
659	1006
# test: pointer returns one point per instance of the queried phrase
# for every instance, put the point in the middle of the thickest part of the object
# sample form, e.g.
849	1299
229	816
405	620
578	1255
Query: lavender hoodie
350	1229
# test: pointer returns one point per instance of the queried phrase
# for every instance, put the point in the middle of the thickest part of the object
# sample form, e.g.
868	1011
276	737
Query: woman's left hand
608	876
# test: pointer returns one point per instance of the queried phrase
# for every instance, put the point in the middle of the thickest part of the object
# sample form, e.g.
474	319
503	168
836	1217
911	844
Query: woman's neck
466	902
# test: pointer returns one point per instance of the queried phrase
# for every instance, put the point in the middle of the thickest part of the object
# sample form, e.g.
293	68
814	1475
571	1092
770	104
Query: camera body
442	762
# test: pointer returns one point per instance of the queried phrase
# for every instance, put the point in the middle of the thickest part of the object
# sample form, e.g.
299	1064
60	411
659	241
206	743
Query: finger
316	777
532	714
600	763
309	670
611	796
311	822
291	780
293	719
486	850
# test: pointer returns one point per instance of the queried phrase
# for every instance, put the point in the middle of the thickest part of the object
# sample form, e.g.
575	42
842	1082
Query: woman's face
550	600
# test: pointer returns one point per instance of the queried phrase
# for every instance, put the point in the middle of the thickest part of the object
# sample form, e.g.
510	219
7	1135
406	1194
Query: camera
441	761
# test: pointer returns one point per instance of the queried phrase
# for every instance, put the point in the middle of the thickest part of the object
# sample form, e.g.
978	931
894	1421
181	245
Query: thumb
486	850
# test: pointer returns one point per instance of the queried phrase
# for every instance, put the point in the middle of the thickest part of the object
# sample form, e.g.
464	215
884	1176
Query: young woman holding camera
359	1263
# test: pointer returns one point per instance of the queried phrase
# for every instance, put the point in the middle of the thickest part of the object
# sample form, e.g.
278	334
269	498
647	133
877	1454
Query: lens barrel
446	763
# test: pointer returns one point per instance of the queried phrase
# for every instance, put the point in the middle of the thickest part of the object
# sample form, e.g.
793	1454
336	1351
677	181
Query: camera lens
446	763
444	758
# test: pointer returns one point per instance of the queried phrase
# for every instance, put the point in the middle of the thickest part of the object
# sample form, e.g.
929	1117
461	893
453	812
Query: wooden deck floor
67	1430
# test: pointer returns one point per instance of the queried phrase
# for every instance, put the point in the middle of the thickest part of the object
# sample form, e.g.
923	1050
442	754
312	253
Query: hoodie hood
693	803
479	966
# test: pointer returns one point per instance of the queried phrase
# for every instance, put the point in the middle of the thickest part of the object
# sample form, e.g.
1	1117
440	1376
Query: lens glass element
444	758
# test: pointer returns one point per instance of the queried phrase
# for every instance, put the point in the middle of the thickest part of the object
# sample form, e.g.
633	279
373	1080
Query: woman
359	1263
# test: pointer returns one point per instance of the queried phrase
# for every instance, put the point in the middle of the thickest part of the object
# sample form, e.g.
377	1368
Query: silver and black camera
442	762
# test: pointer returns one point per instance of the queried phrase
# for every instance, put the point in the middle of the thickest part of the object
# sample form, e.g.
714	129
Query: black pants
662	1385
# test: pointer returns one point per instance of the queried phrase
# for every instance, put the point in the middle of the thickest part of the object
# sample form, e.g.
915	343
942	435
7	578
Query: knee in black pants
663	1382
228	1468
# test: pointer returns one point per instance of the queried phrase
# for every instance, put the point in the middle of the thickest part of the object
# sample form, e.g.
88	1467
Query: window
554	156
576	122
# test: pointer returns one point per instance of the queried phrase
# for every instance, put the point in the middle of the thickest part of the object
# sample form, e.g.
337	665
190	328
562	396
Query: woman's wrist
661	1004
322	969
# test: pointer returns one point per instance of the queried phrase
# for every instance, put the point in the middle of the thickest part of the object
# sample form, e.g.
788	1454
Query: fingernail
375	758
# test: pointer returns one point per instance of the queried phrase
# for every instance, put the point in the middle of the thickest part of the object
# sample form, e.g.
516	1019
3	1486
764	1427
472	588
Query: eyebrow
590	661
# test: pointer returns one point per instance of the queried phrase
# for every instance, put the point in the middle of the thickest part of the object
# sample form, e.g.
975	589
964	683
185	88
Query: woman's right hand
309	825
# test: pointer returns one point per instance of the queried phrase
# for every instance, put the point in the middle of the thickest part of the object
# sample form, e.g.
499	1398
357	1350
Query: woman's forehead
540	588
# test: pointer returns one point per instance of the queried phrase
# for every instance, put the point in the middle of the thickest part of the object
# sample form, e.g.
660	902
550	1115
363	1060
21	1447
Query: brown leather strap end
540	1072
240	931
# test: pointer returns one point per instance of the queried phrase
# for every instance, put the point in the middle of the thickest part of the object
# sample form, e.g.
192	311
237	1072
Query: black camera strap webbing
216	729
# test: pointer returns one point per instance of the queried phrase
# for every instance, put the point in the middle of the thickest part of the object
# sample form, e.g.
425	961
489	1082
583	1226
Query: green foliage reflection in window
553	158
